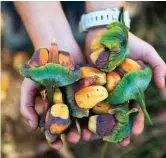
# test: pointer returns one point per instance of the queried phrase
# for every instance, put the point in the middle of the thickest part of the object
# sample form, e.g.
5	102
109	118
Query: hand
54	24
139	50
29	91
34	15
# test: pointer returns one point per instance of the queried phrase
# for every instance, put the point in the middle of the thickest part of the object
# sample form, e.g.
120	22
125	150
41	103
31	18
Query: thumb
159	75
28	94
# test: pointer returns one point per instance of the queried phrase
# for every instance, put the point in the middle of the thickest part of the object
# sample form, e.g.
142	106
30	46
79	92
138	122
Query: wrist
103	15
95	6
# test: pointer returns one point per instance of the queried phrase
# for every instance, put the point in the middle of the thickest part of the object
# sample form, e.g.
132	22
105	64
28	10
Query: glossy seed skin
58	96
66	60
113	79
102	125
57	120
89	71
70	90
100	58
129	65
88	97
39	58
101	108
95	44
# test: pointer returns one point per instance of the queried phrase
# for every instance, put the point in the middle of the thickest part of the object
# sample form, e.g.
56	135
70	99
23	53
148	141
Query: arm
44	21
140	50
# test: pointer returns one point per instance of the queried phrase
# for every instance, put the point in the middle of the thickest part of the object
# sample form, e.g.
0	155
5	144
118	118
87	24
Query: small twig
45	99
65	151
104	149
78	127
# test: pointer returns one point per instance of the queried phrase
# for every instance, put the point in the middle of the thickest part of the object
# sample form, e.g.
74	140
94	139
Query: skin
52	20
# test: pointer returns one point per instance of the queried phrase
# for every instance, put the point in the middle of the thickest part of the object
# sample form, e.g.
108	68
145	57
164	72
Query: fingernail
124	143
30	123
86	134
73	137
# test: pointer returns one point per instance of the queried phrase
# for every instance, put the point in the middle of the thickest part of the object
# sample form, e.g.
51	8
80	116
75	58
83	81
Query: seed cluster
102	91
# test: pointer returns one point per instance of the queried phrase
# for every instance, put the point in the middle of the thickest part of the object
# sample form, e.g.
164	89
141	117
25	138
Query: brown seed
58	96
66	60
100	58
57	119
113	79
75	110
94	56
50	137
120	72
88	71
130	65
39	58
102	125
88	97
95	44
101	108
103	59
86	82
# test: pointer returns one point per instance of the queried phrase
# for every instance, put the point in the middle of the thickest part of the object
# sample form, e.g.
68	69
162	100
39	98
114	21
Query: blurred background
148	23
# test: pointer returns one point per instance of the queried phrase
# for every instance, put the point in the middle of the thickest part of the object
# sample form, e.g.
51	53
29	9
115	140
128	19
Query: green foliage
116	39
125	119
50	76
132	87
53	74
75	110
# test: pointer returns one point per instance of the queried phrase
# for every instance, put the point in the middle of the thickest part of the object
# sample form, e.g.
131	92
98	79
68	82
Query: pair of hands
139	50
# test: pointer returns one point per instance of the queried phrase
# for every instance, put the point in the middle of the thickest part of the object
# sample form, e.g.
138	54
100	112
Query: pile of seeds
102	92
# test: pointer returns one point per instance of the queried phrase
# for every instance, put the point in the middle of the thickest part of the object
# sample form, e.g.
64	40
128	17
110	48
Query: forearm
46	20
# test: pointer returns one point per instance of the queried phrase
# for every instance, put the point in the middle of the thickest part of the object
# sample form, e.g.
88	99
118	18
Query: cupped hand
139	50
29	91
